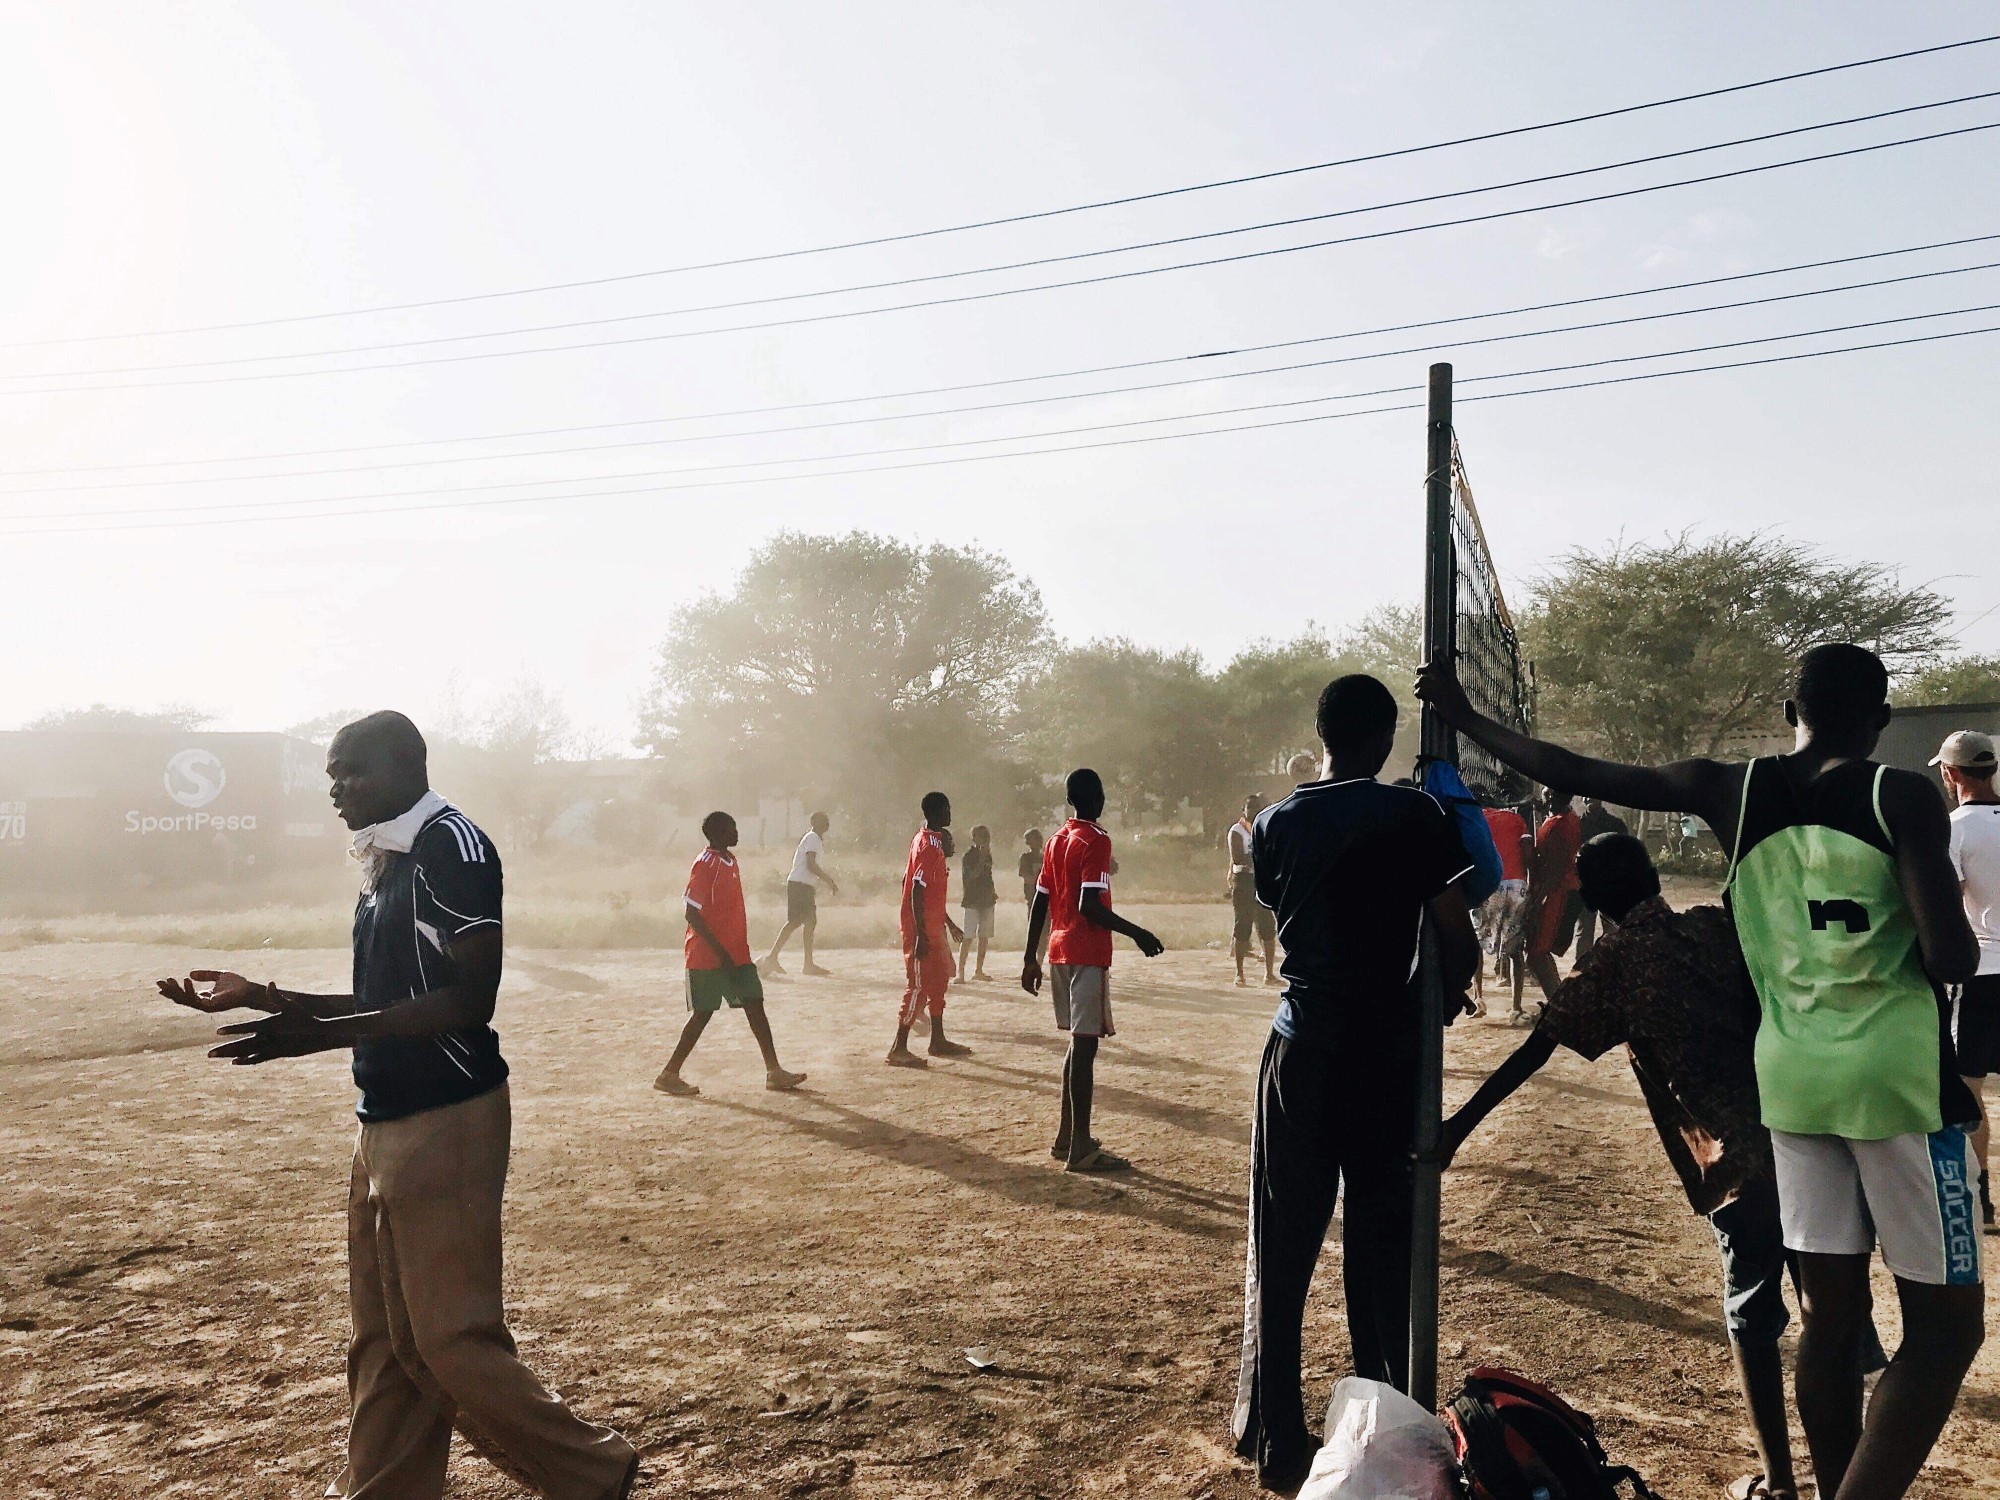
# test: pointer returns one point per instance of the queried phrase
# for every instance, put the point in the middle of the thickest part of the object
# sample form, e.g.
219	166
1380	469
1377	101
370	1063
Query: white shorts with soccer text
1916	1194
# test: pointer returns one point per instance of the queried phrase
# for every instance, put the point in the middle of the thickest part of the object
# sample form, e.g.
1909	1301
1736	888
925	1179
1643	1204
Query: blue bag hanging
1442	781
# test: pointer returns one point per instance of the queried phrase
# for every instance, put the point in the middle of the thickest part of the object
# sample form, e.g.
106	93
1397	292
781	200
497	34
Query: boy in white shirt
802	898
1967	762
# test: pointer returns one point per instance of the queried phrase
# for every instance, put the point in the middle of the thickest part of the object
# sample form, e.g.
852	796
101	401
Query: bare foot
1060	1150
903	1057
817	972
1242	983
940	1048
778	1081
670	1082
770	966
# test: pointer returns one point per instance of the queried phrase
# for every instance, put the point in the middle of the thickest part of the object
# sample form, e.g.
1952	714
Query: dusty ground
771	1294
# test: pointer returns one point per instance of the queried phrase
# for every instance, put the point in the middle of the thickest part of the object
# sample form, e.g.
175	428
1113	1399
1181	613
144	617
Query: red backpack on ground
1517	1440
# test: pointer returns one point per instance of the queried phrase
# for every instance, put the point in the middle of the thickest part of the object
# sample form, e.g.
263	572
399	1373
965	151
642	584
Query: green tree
1959	679
1269	690
856	670
1682	647
1152	723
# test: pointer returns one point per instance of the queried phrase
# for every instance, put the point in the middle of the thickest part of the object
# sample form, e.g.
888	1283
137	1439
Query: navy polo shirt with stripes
448	884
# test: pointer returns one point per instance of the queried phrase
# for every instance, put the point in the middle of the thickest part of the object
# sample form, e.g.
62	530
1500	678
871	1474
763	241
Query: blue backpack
1442	781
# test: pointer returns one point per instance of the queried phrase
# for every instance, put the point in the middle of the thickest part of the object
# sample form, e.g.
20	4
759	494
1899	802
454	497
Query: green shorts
709	988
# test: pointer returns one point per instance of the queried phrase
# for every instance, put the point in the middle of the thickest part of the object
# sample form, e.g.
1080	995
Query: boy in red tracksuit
928	935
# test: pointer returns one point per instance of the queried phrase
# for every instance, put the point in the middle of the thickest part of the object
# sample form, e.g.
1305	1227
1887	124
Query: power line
1011	380
241	505
1023	218
991	457
978	407
1033	263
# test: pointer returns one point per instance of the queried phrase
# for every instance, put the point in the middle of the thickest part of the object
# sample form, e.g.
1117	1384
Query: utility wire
1033	263
990	457
1095	427
988	406
1012	380
1024	218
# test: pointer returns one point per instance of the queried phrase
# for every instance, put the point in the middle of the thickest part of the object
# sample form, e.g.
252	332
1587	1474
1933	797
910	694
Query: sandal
1753	1487
1097	1159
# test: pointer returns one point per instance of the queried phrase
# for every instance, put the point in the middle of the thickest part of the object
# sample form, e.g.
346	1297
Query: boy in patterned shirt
1073	897
719	968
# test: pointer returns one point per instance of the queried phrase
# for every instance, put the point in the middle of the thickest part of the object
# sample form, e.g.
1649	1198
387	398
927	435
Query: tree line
858	671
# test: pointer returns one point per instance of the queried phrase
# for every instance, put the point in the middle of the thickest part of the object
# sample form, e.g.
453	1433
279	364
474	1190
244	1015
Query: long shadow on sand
1190	1117
1033	1185
1586	1292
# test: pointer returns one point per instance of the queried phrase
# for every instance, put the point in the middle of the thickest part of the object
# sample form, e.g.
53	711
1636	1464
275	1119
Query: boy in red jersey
1074	897
719	970
926	949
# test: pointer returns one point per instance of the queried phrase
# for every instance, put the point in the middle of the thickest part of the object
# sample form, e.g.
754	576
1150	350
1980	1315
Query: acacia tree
855	666
1151	722
1679	648
1961	679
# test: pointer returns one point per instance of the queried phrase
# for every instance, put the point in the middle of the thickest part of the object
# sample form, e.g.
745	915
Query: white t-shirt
809	845
1975	854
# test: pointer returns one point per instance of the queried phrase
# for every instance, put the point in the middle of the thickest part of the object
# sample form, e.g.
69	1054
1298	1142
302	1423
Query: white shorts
1917	1194
1082	993
978	922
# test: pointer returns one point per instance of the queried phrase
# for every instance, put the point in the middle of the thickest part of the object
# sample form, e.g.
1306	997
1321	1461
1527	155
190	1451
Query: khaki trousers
431	1345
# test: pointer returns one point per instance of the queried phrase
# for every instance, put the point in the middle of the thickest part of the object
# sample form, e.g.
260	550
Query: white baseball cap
1967	750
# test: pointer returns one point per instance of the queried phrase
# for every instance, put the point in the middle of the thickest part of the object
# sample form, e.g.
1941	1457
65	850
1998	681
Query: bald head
378	766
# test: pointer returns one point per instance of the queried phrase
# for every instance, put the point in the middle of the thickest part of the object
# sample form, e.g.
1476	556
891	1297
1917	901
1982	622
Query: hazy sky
204	163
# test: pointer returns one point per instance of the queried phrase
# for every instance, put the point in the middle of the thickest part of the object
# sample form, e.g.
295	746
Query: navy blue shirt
449	883
1347	866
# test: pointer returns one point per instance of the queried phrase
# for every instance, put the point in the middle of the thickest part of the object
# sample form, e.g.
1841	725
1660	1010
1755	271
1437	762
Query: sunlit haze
184	166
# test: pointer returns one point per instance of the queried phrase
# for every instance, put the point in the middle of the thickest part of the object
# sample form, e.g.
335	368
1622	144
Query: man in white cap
1967	762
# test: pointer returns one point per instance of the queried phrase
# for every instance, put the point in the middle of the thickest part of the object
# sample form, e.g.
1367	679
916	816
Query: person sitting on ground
927	967
717	953
1351	867
1073	897
978	896
1848	913
1250	913
802	899
1671	988
1967	762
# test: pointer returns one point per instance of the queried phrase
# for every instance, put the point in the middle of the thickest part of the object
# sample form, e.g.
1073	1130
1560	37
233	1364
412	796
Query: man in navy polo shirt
430	1345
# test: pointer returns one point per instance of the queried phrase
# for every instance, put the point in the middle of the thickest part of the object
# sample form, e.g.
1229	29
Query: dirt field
771	1294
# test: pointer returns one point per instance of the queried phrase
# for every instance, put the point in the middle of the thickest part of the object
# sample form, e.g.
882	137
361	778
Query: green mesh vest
1850	1039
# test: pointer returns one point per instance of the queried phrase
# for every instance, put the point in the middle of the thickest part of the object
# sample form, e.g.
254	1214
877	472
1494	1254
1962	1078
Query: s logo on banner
195	778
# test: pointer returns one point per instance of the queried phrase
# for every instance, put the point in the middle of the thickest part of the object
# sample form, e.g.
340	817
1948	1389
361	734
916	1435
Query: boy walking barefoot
1073	897
719	970
927	937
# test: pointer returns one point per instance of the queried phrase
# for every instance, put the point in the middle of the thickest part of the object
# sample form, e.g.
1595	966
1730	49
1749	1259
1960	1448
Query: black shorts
1976	1027
801	901
1251	914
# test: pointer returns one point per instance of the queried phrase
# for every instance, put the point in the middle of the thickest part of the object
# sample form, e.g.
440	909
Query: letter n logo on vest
1851	915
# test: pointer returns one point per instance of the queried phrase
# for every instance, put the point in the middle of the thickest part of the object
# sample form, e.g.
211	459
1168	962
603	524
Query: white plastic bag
1381	1445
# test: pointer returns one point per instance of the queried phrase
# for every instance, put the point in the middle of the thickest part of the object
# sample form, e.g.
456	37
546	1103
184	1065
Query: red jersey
715	889
1508	829
930	869
1562	834
1076	860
